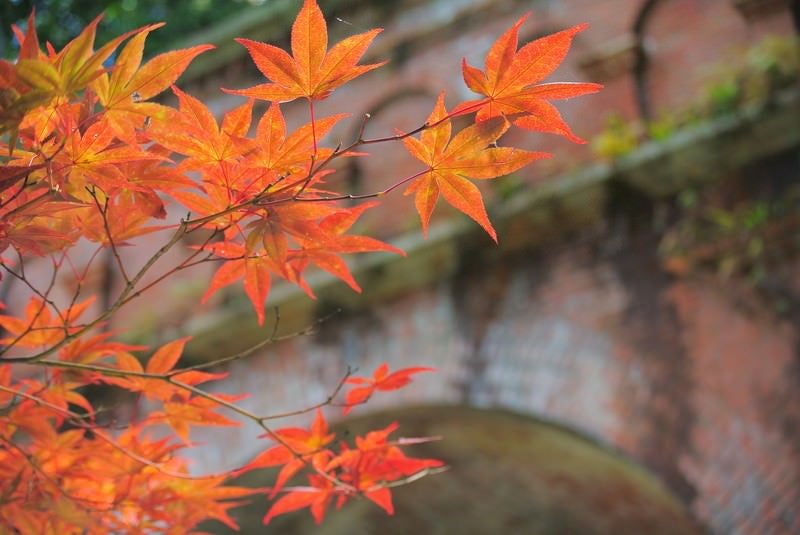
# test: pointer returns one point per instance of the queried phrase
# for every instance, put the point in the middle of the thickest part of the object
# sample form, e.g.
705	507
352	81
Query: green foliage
663	127
616	140
60	20
743	238
768	67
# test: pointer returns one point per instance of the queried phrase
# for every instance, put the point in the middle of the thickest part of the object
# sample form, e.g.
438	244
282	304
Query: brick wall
695	381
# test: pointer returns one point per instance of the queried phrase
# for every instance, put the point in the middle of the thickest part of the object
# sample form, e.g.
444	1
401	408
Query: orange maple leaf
255	270
123	92
41	327
89	159
381	380
192	500
292	153
324	250
162	362
35	224
297	446
451	161
193	132
312	71
317	496
511	82
69	70
196	410
319	231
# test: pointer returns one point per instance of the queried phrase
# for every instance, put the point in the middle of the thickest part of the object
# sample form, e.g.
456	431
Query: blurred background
627	360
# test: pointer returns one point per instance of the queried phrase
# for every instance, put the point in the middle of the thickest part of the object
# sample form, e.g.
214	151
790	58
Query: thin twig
45	300
124	297
325	403
273	339
104	214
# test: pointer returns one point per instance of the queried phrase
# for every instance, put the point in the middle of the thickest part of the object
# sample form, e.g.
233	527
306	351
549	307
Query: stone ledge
757	9
565	204
713	149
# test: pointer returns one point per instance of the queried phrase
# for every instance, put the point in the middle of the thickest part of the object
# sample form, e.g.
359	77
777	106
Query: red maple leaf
511	82
382	381
316	496
296	448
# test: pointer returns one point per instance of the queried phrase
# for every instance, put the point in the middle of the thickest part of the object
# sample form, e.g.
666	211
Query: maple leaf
150	177
180	408
50	74
511	82
161	362
318	229
323	248
289	154
215	150
451	161
381	380
197	410
36	224
147	180
296	447
317	496
90	158
16	97
376	461
41	327
29	41
88	351
192	131
255	271
385	461
336	224
208	498
126	215
312	71
270	232
124	91
12	174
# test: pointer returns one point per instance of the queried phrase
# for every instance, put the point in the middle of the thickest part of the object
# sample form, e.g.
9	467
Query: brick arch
663	31
507	473
641	60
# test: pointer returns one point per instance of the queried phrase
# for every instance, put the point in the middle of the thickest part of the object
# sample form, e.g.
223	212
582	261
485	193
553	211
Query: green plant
617	139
